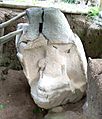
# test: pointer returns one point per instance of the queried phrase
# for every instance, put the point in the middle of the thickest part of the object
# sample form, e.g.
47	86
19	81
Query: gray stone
70	111
52	57
64	115
56	27
34	18
93	107
57	109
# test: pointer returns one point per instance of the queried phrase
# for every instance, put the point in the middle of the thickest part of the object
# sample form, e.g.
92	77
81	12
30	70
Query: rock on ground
65	115
68	111
94	90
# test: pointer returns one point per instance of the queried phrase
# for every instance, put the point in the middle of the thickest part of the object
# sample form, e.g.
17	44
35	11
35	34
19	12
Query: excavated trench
15	99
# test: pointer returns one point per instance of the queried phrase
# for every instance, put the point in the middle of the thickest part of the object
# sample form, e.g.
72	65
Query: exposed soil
17	101
15	97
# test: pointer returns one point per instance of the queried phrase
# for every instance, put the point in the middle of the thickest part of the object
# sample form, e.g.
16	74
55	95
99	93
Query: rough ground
18	104
15	97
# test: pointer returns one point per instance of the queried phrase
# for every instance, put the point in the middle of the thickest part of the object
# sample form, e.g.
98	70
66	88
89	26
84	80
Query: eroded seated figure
52	57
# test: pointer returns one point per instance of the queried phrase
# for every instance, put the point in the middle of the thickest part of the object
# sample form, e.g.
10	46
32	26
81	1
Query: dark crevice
25	41
68	51
55	47
100	73
40	27
39	69
48	41
86	2
42	15
41	24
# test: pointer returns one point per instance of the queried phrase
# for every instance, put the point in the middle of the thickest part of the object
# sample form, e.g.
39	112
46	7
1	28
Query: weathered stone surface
56	27
57	109
68	111
64	115
93	107
93	40
53	58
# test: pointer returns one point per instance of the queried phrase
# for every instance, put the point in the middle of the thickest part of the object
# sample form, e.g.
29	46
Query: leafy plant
37	110
94	11
69	1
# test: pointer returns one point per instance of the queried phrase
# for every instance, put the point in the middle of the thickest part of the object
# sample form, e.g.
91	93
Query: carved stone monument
52	57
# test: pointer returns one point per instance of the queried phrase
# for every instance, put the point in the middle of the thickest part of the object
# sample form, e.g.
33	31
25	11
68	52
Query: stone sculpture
52	57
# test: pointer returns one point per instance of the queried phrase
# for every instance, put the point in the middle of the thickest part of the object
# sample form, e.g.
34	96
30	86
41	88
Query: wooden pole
8	37
12	20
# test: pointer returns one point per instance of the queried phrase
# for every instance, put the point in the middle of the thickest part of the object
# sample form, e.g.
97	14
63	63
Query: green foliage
94	11
69	1
2	106
37	110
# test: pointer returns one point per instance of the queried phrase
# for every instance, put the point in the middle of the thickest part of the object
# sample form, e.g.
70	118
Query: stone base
64	115
68	111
